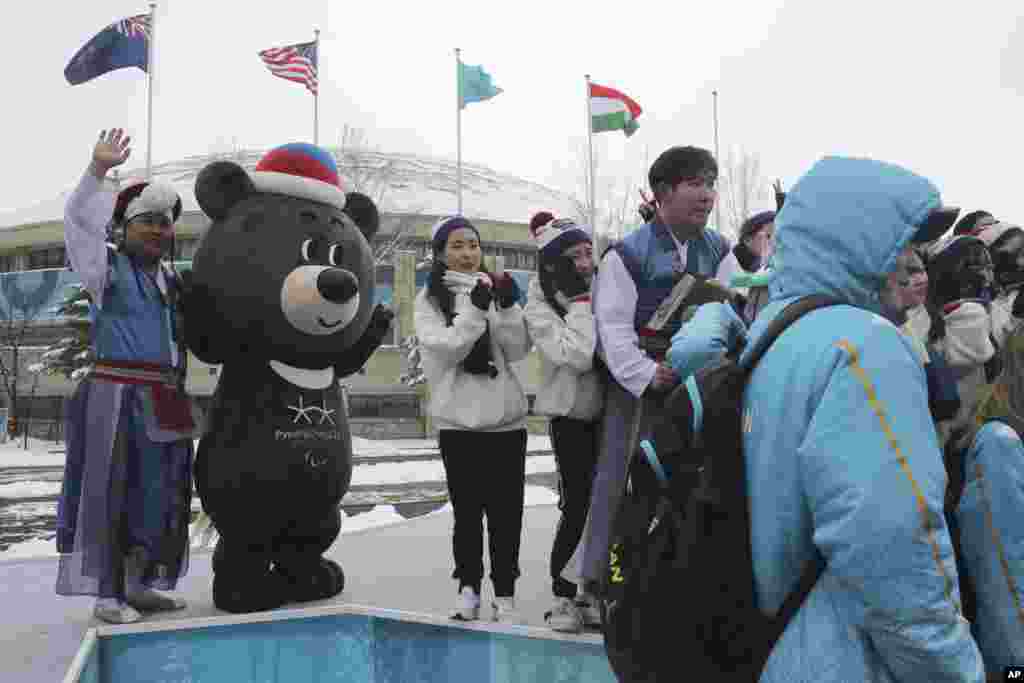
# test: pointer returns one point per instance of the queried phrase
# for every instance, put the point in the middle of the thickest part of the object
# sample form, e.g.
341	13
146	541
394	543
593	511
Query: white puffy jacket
569	384
461	400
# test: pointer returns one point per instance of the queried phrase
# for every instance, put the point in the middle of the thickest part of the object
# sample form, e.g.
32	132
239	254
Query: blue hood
842	227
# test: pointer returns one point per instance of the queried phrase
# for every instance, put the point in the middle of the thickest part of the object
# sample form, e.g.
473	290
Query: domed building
412	192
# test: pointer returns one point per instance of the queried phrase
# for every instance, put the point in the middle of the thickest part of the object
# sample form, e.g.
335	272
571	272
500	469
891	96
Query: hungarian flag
612	110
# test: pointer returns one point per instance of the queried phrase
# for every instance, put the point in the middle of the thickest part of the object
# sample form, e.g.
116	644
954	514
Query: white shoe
504	609
564	616
467	605
114	611
589	610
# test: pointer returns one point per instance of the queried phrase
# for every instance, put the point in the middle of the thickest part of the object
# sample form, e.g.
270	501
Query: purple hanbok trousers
127	488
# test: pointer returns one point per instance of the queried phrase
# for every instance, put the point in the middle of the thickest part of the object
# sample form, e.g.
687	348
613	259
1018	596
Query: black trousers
486	474
575	443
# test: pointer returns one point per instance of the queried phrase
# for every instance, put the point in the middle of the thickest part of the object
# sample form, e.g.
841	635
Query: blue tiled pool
362	645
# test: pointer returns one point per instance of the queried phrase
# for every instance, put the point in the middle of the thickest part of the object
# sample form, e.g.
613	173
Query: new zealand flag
123	44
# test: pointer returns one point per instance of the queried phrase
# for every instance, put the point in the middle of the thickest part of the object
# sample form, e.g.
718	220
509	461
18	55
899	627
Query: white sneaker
564	616
114	611
504	609
467	605
589	610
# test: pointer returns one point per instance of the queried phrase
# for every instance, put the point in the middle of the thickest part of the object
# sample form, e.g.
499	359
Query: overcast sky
937	89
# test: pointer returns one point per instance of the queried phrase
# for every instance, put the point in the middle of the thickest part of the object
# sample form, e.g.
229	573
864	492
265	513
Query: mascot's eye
334	254
307	250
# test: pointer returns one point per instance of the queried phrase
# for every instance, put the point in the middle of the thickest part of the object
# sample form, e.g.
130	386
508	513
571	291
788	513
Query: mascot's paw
239	594
319	582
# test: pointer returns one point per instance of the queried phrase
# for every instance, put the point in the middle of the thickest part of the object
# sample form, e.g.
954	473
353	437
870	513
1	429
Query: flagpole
590	160
458	127
149	88
316	93
718	160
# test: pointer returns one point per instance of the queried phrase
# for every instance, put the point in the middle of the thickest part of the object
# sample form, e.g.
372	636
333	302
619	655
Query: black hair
677	164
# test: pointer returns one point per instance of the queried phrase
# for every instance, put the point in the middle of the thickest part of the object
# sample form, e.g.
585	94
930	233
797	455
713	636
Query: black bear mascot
281	295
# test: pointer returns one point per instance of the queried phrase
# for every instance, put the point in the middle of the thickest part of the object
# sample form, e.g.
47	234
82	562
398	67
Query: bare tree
741	186
616	198
368	171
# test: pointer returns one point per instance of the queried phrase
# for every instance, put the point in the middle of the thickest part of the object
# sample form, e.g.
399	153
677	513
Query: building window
52	257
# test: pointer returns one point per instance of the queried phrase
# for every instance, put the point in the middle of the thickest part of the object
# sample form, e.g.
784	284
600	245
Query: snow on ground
378	516
430	470
29	489
384	474
37	547
38	454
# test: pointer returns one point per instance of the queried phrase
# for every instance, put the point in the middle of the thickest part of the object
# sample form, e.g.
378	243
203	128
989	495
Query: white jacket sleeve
615	299
509	331
967	335
452	344
86	216
565	343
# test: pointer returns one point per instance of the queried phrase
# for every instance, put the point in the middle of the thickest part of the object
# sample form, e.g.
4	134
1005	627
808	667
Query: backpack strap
816	566
789	315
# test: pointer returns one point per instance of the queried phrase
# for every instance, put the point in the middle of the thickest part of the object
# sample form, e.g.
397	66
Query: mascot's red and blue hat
302	170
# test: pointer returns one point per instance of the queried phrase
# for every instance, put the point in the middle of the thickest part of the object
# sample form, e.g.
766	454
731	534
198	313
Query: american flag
294	63
134	27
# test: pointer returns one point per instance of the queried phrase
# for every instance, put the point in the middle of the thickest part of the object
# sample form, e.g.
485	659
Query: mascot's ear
220	186
363	213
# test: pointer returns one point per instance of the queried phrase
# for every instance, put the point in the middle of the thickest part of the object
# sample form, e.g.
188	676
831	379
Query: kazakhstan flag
475	85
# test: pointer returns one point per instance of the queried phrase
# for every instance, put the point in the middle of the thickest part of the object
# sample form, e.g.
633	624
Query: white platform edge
342	609
89	643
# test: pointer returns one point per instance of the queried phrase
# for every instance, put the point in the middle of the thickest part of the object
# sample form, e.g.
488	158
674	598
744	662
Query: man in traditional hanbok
123	513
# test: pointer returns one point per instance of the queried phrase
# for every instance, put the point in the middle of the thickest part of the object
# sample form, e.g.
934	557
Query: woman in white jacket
960	289
560	322
470	329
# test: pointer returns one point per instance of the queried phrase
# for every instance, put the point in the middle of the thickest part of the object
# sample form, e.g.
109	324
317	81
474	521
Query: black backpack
679	600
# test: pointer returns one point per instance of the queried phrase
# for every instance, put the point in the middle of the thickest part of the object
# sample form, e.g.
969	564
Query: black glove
567	279
380	320
506	289
481	296
646	210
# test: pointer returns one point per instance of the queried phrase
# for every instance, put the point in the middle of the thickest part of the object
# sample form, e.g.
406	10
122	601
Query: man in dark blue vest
636	276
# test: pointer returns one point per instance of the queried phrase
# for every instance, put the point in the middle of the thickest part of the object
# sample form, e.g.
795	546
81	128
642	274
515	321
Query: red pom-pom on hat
540	219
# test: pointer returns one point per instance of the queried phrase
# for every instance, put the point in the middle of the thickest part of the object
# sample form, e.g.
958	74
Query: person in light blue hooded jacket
989	512
842	456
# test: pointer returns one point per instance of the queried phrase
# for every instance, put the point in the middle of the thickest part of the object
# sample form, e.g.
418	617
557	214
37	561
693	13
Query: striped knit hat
446	226
553	236
300	170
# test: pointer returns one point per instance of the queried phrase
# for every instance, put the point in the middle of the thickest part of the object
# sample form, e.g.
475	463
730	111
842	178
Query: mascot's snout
337	285
320	300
